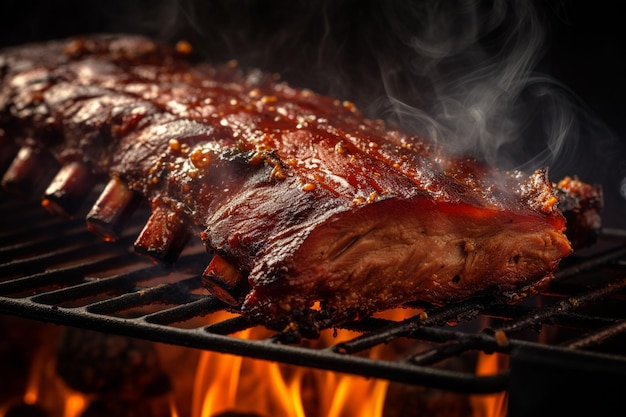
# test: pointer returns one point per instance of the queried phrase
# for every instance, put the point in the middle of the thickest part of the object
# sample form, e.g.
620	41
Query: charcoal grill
54	270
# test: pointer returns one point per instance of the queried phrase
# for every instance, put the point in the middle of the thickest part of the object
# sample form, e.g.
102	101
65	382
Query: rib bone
29	172
112	209
69	189
164	236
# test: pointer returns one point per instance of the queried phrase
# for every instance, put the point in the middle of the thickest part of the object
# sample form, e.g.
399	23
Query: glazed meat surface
314	214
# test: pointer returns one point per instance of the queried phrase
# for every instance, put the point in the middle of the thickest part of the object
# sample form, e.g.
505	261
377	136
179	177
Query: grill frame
38	282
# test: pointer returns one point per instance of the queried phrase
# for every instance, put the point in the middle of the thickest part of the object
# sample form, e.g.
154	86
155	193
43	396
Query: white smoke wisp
472	75
475	61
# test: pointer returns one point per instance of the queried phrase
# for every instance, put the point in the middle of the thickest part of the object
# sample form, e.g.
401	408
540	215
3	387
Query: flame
490	405
173	408
353	396
231	383
216	384
34	380
47	391
208	384
227	383
75	404
349	395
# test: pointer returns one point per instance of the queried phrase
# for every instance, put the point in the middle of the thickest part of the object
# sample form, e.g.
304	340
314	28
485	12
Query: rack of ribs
312	214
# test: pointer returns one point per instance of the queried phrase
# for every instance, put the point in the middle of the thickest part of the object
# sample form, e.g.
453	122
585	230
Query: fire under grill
573	336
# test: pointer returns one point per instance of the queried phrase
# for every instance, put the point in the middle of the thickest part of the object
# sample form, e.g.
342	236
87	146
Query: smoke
459	72
474	66
474	75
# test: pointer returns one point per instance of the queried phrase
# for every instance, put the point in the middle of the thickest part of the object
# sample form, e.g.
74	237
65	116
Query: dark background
334	47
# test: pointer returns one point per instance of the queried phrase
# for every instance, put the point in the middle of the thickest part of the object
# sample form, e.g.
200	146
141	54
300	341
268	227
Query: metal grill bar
54	271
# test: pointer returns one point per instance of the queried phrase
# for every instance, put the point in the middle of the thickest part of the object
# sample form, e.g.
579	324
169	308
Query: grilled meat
314	214
581	205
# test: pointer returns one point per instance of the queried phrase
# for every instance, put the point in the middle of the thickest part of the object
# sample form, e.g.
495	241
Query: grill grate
54	270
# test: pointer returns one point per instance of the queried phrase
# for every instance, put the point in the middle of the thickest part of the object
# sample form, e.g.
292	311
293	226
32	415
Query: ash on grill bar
562	334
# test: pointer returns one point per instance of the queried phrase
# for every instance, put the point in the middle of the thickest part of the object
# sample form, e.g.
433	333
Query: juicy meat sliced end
393	252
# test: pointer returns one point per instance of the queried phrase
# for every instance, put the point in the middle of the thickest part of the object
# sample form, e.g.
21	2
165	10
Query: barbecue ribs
314	214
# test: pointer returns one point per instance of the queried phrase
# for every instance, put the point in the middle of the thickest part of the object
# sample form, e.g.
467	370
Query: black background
319	45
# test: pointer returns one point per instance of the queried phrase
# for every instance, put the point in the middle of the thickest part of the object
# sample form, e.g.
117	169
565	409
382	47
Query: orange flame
215	383
47	391
227	382
232	383
490	405
353	396
75	404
